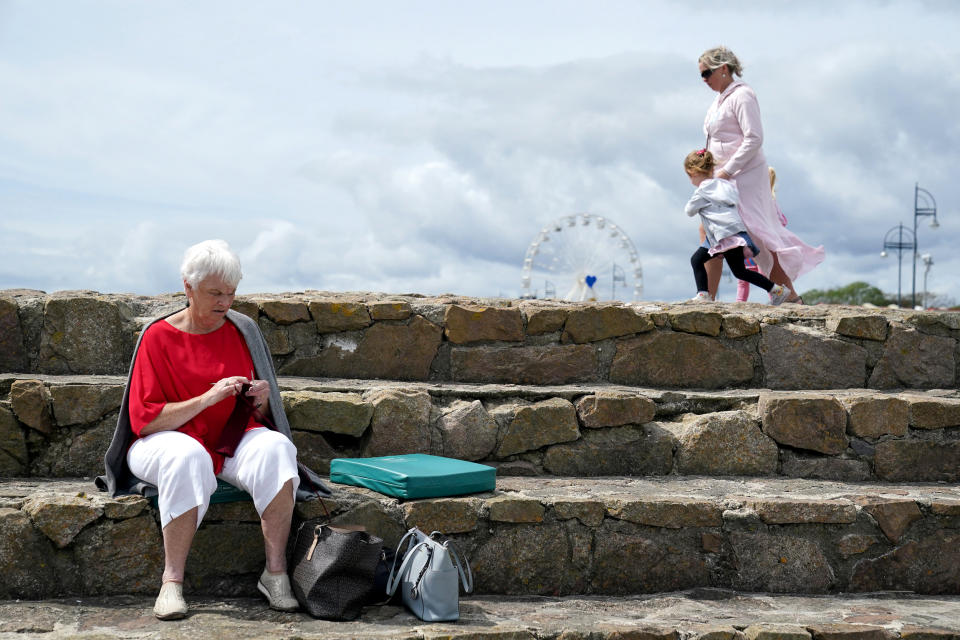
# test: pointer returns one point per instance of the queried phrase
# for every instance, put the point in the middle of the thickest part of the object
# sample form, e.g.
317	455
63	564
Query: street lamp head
934	224
883	254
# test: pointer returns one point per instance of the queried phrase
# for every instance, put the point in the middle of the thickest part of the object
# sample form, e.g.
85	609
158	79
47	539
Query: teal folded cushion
414	475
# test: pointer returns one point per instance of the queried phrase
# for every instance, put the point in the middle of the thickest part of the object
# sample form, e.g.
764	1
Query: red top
173	366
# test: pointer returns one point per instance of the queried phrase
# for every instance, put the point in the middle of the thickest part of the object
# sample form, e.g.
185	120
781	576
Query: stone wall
317	334
60	426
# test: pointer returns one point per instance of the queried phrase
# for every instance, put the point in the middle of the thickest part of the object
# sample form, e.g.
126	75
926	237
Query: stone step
532	536
705	614
60	426
457	339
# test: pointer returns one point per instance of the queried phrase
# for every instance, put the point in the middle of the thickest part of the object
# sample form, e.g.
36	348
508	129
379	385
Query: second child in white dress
715	200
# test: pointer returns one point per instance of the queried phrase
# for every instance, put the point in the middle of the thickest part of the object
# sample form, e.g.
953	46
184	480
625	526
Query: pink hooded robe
735	138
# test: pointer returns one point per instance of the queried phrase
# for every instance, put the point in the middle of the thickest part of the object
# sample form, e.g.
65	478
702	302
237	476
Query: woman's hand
222	389
723	175
259	392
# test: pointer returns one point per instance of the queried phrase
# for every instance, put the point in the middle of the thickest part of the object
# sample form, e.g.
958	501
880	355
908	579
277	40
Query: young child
716	201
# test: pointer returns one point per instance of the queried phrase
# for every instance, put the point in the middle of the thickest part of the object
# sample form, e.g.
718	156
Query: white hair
208	258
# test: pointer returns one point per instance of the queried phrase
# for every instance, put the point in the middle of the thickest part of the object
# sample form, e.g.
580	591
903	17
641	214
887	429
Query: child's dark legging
734	258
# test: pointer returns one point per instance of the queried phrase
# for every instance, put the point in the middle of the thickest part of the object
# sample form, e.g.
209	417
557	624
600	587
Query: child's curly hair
699	161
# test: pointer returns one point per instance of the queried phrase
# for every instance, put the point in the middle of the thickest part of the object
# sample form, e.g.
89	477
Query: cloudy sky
420	146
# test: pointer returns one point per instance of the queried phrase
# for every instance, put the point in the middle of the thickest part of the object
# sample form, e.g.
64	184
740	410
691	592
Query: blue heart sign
591	280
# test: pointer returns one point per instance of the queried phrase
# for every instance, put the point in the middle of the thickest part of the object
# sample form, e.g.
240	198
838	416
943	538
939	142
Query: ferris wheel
582	257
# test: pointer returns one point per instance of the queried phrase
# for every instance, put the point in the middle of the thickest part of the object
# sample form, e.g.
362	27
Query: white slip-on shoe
278	591
779	294
170	604
702	296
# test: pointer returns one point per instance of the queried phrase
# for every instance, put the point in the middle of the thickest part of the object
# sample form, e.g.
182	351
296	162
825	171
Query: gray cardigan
118	480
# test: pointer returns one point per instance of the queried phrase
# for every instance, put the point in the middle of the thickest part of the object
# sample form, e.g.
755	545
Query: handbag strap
395	575
457	562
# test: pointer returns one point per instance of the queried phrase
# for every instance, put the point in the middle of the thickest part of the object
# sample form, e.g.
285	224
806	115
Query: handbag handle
458	563
394	578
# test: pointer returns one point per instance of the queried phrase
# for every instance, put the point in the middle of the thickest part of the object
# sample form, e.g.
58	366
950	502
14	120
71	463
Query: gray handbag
429	577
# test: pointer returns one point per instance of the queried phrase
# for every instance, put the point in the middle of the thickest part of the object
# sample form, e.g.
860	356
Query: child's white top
716	201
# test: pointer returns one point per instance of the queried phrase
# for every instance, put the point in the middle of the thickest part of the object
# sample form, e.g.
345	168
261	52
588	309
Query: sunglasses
706	73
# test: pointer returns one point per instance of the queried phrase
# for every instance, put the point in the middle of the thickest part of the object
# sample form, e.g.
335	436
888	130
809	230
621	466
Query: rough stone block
724	443
124	557
467	431
314	451
84	403
285	312
278	337
668	359
624	451
334	316
593	323
917	360
82	453
917	460
855	543
552	364
934	413
801	359
654	566
670	513
446	515
30	400
464	325
804	510
124	507
249	308
400	422
13	354
928	565
510	509
532	559
389	310
26	557
945	507
530	426
13	446
541	320
61	517
893	516
331	412
589	512
706	323
84	334
737	326
817	423
876	416
615	408
864	326
780	563
387	351
797	465
375	519
840	631
776	632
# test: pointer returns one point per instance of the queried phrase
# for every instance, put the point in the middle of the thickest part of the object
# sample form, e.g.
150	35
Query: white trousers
182	470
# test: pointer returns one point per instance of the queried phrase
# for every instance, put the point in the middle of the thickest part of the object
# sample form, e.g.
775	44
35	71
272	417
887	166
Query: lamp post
896	242
923	205
927	262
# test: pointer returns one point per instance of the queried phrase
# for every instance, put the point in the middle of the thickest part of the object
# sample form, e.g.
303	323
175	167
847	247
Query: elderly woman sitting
187	374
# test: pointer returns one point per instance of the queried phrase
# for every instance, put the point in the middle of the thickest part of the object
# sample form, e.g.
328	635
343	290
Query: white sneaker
170	604
278	591
702	296
779	294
